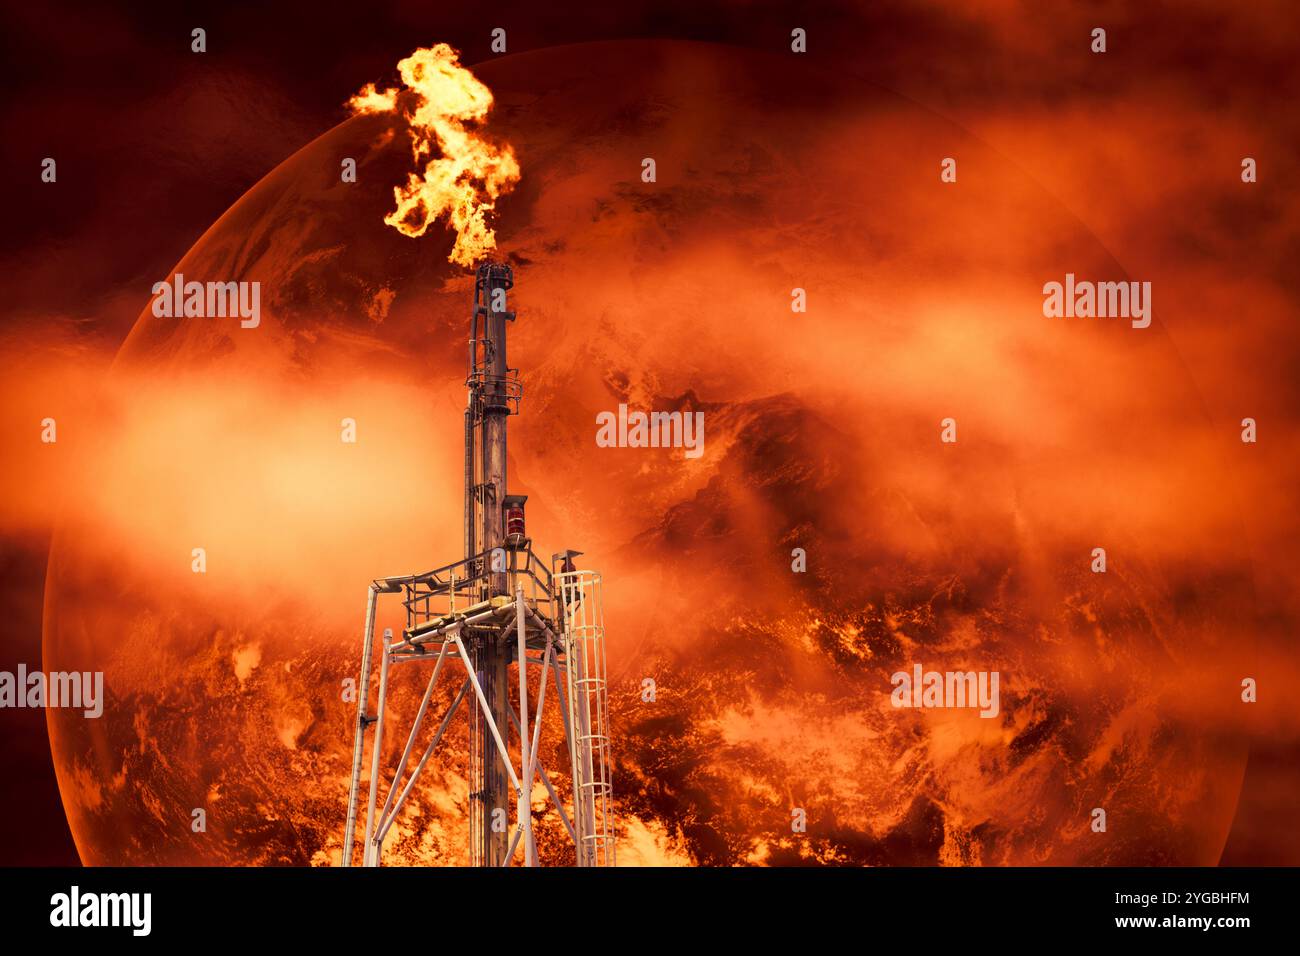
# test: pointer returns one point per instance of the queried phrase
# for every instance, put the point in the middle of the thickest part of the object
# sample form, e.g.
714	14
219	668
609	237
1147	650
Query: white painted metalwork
574	657
584	636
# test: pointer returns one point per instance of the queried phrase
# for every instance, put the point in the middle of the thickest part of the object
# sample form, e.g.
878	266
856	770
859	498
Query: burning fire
458	173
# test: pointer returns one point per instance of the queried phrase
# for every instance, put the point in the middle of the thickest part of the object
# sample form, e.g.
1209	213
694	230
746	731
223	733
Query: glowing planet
745	689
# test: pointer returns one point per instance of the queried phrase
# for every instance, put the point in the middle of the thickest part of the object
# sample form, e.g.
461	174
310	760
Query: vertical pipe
498	782
489	665
494	490
478	808
494	280
349	832
492	653
469	477
366	854
525	792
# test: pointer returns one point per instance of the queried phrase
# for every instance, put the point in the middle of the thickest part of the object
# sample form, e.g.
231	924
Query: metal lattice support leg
415	729
487	713
524	811
563	629
368	858
386	824
358	747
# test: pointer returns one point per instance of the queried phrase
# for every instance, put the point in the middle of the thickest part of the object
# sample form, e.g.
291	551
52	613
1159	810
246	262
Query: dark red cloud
1143	145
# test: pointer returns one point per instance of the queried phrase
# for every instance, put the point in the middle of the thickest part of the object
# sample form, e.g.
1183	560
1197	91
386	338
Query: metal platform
496	614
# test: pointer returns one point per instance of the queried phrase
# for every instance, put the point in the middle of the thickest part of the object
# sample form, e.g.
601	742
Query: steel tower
498	606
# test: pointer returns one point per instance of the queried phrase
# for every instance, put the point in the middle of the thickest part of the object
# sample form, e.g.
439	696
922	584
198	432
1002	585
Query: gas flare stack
500	605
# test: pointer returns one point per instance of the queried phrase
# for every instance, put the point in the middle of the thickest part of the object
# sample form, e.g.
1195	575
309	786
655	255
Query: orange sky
922	305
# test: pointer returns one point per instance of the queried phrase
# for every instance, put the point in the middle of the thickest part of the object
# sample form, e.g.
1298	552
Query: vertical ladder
584	643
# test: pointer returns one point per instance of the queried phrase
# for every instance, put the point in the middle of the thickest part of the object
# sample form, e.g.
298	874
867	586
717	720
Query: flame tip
444	104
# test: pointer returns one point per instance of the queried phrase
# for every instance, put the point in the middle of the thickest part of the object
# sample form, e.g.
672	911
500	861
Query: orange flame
464	179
